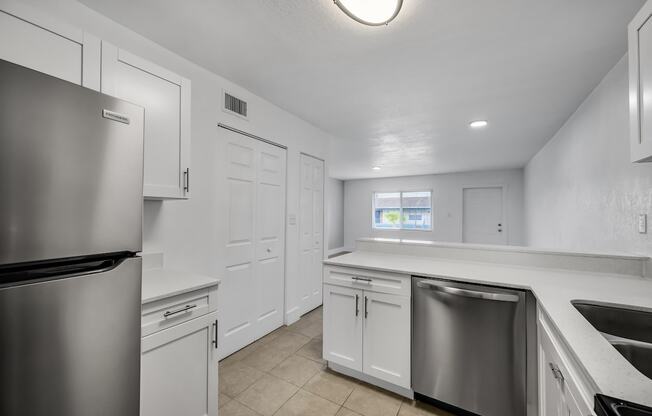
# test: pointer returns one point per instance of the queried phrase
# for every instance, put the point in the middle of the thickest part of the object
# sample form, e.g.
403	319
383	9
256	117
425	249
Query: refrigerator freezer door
71	169
71	347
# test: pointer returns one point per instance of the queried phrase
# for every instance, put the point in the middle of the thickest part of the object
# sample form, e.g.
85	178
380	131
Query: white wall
447	202
335	213
581	191
189	232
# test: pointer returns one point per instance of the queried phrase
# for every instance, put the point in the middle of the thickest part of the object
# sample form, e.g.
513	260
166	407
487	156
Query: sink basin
609	406
628	330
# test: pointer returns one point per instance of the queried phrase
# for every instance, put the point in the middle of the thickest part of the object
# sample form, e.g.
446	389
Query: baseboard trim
401	391
292	315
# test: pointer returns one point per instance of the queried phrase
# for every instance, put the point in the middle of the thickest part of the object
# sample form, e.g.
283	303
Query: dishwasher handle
500	297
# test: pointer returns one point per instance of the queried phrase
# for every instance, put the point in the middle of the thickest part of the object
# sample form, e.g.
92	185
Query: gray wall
335	213
581	191
447	203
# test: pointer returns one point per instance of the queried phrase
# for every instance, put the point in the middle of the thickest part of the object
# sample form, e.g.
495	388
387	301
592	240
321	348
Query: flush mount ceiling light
376	168
478	124
371	12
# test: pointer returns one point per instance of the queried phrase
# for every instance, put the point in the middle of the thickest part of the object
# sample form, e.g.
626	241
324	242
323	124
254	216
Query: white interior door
252	294
483	217
312	231
270	238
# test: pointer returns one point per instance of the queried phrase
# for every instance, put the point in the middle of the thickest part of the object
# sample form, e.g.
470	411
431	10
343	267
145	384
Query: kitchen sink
609	406
628	330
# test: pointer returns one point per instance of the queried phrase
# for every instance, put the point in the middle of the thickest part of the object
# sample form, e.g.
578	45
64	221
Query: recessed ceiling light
376	168
478	124
371	12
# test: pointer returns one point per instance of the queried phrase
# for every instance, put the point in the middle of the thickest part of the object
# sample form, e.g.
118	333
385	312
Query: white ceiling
401	96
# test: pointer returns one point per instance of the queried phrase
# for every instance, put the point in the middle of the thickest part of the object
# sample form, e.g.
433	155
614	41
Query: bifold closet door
252	291
311	231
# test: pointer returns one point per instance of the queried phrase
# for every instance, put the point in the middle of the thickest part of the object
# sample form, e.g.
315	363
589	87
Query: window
403	210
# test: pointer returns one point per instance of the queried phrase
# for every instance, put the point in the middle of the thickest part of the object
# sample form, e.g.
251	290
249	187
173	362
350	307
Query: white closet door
312	231
238	292
252	293
306	223
270	238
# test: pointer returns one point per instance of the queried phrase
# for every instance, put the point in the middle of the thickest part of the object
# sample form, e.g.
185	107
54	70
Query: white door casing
253	290
483	216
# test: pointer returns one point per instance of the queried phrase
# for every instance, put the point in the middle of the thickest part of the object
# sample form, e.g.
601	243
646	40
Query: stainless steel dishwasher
474	346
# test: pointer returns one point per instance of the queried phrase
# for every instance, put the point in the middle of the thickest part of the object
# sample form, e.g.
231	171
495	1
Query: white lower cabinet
177	376
562	391
179	356
366	330
386	338
343	326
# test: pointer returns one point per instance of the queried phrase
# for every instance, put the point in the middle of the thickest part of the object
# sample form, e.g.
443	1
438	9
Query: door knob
269	250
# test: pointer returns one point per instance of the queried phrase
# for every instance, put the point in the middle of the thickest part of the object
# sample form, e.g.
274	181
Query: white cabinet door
33	39
386	335
343	326
253	288
311	231
166	99
640	84
551	399
179	370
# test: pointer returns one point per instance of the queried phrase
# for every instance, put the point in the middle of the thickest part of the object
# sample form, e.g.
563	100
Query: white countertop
162	283
554	290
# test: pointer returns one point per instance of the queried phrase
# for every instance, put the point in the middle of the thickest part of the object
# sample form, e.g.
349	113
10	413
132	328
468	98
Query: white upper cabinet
33	39
640	85
166	99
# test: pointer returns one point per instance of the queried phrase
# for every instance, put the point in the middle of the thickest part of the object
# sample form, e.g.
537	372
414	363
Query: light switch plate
642	223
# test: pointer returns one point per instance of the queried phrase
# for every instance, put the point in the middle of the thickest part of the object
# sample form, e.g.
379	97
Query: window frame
400	227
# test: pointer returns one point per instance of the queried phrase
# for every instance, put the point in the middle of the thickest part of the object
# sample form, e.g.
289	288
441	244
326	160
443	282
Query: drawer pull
556	372
214	342
182	310
363	279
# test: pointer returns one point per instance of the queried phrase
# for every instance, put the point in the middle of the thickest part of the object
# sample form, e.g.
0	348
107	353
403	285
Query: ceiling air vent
235	105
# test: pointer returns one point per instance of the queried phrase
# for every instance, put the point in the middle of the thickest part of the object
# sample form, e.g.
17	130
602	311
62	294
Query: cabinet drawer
396	284
173	311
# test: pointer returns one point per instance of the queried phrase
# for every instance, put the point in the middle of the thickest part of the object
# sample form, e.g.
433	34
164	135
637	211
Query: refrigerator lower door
71	346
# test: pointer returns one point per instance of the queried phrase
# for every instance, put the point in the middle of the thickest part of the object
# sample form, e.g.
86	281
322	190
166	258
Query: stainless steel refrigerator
71	175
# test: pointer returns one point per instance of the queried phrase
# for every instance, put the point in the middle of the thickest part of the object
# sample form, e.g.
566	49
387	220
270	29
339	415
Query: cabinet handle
184	309
363	279
366	310
186	177
357	308
215	326
556	372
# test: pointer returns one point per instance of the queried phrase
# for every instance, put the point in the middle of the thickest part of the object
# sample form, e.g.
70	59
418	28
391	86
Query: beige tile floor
283	374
